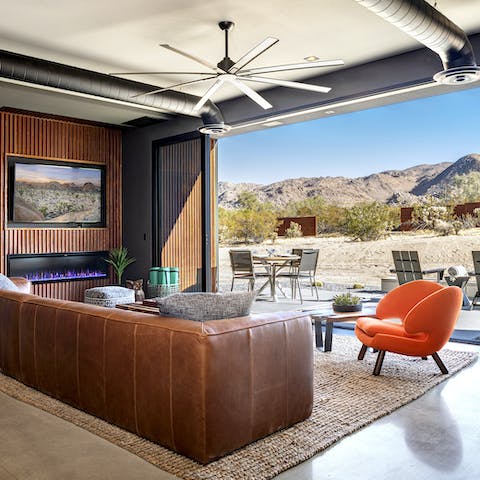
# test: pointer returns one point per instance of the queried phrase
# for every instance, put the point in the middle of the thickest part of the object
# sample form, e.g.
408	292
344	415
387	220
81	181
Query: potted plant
346	302
118	258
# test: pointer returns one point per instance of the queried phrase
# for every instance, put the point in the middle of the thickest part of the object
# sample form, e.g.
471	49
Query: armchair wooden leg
363	351
379	362
424	358
439	362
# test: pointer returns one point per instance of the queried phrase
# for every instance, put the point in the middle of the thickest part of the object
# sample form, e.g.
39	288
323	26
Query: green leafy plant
367	221
118	258
253	221
346	299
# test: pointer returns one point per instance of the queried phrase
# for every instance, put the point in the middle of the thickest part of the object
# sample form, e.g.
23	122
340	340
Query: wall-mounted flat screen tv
52	193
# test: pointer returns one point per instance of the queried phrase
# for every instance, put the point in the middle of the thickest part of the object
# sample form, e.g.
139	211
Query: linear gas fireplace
58	267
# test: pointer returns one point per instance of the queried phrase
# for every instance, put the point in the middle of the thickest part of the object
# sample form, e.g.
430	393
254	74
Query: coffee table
330	317
139	307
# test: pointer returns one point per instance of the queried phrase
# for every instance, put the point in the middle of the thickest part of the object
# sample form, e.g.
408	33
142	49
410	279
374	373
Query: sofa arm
24	285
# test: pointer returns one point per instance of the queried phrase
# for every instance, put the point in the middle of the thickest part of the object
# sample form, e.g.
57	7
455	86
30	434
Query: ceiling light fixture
337	105
275	123
311	58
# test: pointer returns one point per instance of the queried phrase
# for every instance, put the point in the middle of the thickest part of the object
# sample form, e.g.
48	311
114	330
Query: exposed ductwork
424	23
64	77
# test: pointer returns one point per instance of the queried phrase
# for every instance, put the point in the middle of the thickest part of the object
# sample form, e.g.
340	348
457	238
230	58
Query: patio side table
330	317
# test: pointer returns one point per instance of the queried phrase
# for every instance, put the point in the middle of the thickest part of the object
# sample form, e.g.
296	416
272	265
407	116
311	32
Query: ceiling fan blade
252	54
160	73
160	90
250	93
286	83
188	55
294	66
208	94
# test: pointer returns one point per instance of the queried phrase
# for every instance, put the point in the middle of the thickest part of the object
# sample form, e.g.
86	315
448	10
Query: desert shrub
367	221
436	215
253	225
471	220
252	222
358	286
330	218
294	230
312	206
225	225
463	188
431	212
273	237
394	216
443	227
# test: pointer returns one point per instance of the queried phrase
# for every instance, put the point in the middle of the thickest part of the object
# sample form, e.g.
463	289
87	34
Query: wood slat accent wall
180	210
214	213
49	138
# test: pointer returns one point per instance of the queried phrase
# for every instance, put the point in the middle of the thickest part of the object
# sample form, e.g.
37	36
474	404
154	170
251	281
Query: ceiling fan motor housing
226	64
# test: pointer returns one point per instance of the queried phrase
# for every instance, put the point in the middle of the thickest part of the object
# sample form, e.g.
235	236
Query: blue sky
431	130
29	172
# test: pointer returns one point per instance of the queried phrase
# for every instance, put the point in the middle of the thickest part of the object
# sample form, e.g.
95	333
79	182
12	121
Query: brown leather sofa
200	389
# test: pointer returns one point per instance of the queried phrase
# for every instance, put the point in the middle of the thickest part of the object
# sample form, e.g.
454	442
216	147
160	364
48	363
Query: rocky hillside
393	186
466	164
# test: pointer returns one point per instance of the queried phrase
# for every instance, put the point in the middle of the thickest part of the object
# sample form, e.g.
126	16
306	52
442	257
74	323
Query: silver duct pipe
64	77
424	23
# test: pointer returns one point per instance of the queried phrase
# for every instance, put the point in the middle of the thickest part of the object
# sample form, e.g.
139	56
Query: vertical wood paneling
181	210
36	136
214	213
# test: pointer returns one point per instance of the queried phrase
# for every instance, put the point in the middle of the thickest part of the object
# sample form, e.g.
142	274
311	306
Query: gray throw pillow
7	284
206	306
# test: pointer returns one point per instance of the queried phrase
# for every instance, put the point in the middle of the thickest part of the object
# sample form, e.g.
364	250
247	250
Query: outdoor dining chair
303	269
243	268
407	267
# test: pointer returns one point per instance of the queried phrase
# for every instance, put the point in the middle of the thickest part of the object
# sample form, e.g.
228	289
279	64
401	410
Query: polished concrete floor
434	437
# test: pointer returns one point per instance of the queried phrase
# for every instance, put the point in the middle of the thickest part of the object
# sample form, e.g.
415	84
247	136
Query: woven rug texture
346	398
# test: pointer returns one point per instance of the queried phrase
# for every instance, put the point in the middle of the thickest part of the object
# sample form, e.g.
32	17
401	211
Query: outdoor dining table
275	263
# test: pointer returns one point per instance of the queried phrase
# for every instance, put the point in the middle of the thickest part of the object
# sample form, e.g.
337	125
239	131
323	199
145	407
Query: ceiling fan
234	73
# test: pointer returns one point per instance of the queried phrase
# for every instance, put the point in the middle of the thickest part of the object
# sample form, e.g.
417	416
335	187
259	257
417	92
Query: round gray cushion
109	296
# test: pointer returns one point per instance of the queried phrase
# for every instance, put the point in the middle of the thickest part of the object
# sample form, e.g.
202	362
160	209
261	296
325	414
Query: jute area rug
347	397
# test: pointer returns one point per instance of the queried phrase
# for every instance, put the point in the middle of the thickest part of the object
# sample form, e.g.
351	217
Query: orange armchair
428	313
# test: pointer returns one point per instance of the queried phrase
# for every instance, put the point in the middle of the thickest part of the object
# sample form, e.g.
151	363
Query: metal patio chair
303	269
243	268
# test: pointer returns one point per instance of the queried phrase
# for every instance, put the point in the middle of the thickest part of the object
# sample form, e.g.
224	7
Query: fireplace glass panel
58	267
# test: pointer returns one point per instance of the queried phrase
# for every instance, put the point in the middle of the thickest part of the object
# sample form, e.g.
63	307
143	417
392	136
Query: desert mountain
466	164
392	185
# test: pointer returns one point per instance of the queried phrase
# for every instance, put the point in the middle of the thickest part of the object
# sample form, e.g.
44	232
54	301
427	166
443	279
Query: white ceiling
122	35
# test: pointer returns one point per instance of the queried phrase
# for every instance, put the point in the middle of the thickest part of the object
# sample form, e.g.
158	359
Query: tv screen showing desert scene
57	194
